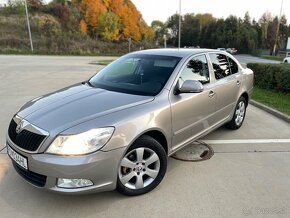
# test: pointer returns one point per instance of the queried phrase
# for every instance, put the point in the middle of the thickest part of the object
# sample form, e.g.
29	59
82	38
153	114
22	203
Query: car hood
76	104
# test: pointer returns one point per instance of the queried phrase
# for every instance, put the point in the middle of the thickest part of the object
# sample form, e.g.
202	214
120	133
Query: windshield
136	74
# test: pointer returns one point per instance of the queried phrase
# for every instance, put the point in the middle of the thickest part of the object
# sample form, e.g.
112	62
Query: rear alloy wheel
142	168
239	115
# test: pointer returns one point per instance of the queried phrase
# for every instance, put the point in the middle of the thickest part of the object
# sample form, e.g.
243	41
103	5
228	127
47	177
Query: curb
272	111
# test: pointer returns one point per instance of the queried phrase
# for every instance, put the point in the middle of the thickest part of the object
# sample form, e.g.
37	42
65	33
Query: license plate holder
17	158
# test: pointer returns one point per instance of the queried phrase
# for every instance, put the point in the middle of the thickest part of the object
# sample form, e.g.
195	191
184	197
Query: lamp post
179	25
129	43
278	28
28	26
165	38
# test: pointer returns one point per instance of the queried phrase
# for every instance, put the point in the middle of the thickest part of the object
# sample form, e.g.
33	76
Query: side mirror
190	86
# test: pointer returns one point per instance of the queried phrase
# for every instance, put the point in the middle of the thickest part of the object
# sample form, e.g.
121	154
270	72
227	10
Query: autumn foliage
83	27
114	20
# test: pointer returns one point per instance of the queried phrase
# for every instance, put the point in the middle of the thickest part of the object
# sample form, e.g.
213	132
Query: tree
147	33
247	19
108	26
16	6
207	36
83	27
204	19
231	31
128	16
172	24
35	4
62	13
92	10
130	21
114	20
271	33
191	29
264	24
284	33
160	31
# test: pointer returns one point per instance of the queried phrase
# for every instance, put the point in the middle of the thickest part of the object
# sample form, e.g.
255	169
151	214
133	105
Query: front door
192	112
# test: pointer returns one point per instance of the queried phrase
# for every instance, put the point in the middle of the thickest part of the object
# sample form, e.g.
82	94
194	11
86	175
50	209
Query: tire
142	168
239	114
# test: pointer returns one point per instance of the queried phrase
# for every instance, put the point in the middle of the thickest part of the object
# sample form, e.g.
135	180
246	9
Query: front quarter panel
132	123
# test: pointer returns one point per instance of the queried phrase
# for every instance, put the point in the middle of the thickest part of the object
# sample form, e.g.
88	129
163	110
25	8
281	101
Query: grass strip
273	99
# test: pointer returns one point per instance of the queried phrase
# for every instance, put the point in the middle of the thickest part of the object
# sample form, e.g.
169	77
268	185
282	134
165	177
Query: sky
162	9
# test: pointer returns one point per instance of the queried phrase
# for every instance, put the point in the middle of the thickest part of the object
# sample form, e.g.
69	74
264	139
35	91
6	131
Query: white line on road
247	141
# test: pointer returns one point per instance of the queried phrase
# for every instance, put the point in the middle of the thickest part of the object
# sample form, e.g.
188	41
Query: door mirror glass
190	86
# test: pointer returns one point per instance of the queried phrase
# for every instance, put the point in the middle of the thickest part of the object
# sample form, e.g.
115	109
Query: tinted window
136	74
196	69
220	65
233	65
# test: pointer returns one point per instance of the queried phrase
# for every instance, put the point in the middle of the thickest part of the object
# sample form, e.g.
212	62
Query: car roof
183	52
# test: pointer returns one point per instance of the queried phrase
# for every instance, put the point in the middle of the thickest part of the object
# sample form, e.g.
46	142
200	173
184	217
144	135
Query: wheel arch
159	137
156	134
246	96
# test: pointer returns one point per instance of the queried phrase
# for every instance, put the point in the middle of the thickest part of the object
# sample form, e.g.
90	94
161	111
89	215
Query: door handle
238	82
211	94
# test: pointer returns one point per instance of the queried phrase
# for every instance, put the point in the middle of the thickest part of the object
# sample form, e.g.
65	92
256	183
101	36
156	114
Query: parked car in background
286	60
232	51
117	129
221	49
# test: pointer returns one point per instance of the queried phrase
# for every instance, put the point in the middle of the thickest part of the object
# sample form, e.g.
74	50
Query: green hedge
272	76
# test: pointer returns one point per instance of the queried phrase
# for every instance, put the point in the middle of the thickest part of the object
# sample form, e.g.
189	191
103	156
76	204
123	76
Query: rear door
227	83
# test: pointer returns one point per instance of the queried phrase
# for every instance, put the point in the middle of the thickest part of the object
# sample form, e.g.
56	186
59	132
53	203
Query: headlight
83	143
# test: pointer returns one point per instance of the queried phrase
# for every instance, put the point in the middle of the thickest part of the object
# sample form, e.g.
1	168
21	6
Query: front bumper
99	167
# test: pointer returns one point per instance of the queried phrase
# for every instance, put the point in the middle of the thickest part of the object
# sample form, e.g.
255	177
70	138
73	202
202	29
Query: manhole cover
197	151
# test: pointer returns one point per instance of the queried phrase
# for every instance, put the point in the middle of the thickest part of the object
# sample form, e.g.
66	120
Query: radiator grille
25	139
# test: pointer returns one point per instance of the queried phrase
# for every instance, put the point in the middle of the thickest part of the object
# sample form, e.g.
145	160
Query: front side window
220	65
195	69
136	74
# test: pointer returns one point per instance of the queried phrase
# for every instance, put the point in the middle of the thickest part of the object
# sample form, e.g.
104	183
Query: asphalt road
248	176
245	59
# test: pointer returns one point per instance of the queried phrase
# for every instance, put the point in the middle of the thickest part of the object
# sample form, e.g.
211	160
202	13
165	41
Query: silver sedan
117	129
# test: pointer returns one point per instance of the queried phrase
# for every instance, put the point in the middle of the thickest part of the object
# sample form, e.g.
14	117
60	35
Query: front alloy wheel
142	167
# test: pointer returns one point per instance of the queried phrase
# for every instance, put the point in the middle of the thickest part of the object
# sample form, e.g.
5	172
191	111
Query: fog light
73	183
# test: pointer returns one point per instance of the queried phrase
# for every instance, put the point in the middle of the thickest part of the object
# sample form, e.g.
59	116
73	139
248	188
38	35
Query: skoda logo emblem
19	127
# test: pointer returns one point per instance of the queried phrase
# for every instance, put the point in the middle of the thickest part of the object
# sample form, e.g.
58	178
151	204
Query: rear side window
220	65
233	66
